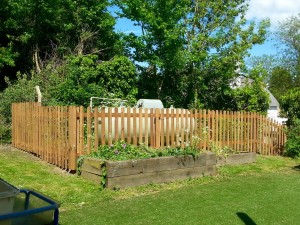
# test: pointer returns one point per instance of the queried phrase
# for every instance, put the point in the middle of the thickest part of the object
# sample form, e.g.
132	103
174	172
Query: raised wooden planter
91	169
158	170
237	159
129	173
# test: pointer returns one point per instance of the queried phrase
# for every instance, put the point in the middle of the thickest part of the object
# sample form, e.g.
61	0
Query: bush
86	76
252	96
21	90
292	146
123	151
290	105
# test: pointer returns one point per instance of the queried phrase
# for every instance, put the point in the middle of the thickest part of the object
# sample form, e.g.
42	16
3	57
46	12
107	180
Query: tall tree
288	33
191	48
32	29
161	45
281	81
266	62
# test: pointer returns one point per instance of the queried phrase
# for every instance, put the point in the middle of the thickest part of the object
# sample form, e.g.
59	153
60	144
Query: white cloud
276	10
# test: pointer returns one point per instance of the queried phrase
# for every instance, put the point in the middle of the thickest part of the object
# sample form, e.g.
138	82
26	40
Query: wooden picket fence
60	134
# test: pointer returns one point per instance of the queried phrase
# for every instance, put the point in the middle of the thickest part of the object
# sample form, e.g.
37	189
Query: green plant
292	145
290	105
86	77
4	130
103	177
221	150
123	151
21	90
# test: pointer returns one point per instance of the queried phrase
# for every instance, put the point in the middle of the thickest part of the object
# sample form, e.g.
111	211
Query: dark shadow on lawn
245	218
297	167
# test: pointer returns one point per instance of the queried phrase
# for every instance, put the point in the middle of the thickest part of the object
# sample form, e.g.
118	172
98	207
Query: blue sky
275	10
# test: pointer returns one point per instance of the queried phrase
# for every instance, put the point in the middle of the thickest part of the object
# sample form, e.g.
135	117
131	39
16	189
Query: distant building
274	109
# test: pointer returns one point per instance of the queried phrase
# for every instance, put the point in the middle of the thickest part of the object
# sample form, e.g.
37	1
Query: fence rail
60	134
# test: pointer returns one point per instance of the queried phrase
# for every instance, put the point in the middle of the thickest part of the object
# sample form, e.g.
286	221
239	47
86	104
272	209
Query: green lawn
267	192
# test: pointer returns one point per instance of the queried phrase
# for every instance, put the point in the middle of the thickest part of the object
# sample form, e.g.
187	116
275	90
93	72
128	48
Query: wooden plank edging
129	173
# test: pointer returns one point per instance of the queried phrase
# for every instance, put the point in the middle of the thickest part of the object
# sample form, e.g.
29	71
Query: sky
275	10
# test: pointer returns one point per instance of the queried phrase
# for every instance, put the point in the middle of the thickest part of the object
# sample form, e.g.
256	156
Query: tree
32	31
20	90
288	34
266	62
86	76
292	145
162	41
177	45
252	96
290	105
281	81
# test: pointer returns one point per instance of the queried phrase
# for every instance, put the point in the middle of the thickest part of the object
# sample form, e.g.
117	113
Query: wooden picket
60	134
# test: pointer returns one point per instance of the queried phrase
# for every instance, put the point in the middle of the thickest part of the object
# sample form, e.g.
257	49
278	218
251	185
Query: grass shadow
245	218
297	167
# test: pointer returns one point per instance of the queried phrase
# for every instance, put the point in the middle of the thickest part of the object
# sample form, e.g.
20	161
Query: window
273	108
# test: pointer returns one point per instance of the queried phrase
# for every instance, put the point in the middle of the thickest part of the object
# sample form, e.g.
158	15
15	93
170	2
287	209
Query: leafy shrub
221	150
292	146
252	96
122	151
290	105
21	90
5	133
86	76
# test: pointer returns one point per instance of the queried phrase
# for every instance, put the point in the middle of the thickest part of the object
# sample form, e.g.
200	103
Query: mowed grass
267	192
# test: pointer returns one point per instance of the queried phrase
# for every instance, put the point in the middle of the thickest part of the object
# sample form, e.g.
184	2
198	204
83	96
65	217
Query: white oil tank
149	104
142	106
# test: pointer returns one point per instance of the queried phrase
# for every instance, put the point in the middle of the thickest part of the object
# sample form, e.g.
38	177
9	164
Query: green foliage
5	129
292	145
123	151
81	81
252	96
221	150
7	57
267	63
281	81
178	46
22	90
33	31
288	35
290	105
83	77
119	78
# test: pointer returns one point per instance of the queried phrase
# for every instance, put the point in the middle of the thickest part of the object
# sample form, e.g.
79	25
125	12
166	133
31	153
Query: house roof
274	101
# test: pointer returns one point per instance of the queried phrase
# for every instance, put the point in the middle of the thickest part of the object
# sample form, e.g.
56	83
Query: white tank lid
149	104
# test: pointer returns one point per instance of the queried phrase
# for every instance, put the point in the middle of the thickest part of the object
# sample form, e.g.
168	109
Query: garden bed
129	173
236	159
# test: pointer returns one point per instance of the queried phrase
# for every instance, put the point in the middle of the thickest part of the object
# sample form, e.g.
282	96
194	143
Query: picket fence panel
59	135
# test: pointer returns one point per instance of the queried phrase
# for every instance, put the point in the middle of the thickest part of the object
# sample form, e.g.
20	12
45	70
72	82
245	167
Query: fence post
157	128
72	138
